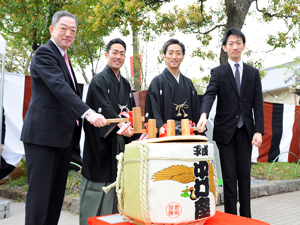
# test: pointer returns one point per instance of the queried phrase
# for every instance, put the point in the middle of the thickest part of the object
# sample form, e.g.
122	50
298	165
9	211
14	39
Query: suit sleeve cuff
87	113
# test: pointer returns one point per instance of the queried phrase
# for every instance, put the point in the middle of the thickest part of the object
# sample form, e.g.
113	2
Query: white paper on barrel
165	197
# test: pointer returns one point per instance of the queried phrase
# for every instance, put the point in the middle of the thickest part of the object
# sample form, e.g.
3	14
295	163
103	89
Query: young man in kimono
109	93
172	95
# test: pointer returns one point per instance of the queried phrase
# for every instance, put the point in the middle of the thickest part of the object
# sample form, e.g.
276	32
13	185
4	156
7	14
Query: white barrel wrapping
169	182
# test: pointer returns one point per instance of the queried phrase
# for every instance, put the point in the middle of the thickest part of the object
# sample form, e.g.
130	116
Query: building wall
283	96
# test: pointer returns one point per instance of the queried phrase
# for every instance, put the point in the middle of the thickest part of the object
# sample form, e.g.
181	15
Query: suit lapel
75	80
244	78
230	75
64	66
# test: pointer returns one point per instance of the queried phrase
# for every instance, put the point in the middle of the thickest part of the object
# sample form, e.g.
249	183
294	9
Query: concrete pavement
275	202
280	209
17	215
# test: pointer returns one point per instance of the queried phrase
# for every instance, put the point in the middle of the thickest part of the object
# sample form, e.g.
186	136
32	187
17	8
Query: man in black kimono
172	95
109	93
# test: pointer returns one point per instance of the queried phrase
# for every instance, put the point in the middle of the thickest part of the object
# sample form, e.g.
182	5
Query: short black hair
115	41
173	41
60	14
233	31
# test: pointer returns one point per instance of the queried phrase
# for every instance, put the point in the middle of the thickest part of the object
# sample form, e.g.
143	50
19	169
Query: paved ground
17	215
280	209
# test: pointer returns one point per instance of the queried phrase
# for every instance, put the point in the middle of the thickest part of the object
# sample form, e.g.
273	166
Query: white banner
13	106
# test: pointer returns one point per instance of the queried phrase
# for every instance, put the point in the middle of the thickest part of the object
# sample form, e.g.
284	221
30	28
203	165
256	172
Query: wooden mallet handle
170	128
185	127
152	130
117	120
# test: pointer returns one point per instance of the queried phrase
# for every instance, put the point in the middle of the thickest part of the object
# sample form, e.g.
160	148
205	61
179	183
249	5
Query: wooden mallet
185	127
137	120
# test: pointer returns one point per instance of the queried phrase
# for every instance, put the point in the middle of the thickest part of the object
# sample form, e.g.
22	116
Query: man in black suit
238	88
53	122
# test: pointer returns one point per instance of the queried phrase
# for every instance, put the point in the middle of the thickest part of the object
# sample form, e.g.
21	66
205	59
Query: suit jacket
55	105
3	128
230	104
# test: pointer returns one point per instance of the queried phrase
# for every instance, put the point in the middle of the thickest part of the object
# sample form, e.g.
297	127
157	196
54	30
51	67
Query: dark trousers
47	171
235	160
5	169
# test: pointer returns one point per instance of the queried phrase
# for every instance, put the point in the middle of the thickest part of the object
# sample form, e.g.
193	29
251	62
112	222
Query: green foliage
72	187
280	171
23	166
24	24
73	183
208	22
21	181
293	67
19	199
125	15
27	20
200	84
262	74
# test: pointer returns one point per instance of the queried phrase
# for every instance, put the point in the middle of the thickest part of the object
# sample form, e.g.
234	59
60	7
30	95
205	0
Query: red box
219	218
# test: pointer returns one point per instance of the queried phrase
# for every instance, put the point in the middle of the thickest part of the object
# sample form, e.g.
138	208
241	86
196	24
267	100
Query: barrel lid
180	138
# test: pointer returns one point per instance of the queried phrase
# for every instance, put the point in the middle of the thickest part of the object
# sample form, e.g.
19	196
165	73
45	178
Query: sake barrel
170	180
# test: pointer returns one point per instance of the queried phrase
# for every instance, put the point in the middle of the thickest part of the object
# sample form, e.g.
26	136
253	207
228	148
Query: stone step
4	209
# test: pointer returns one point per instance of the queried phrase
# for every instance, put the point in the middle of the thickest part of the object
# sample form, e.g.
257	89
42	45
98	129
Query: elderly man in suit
53	122
238	88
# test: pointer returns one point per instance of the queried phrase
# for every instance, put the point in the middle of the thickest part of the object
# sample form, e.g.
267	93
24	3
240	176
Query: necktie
238	85
68	65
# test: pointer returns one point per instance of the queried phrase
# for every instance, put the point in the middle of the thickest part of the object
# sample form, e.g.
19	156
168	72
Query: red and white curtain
282	131
17	94
282	124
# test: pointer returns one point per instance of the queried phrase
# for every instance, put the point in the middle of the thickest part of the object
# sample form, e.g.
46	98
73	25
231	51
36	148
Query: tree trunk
236	14
28	63
136	62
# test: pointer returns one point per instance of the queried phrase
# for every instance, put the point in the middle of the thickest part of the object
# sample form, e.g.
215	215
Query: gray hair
60	14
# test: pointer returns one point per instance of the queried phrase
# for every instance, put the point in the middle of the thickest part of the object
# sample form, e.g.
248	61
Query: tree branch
206	32
28	62
275	14
203	19
156	1
91	57
82	70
